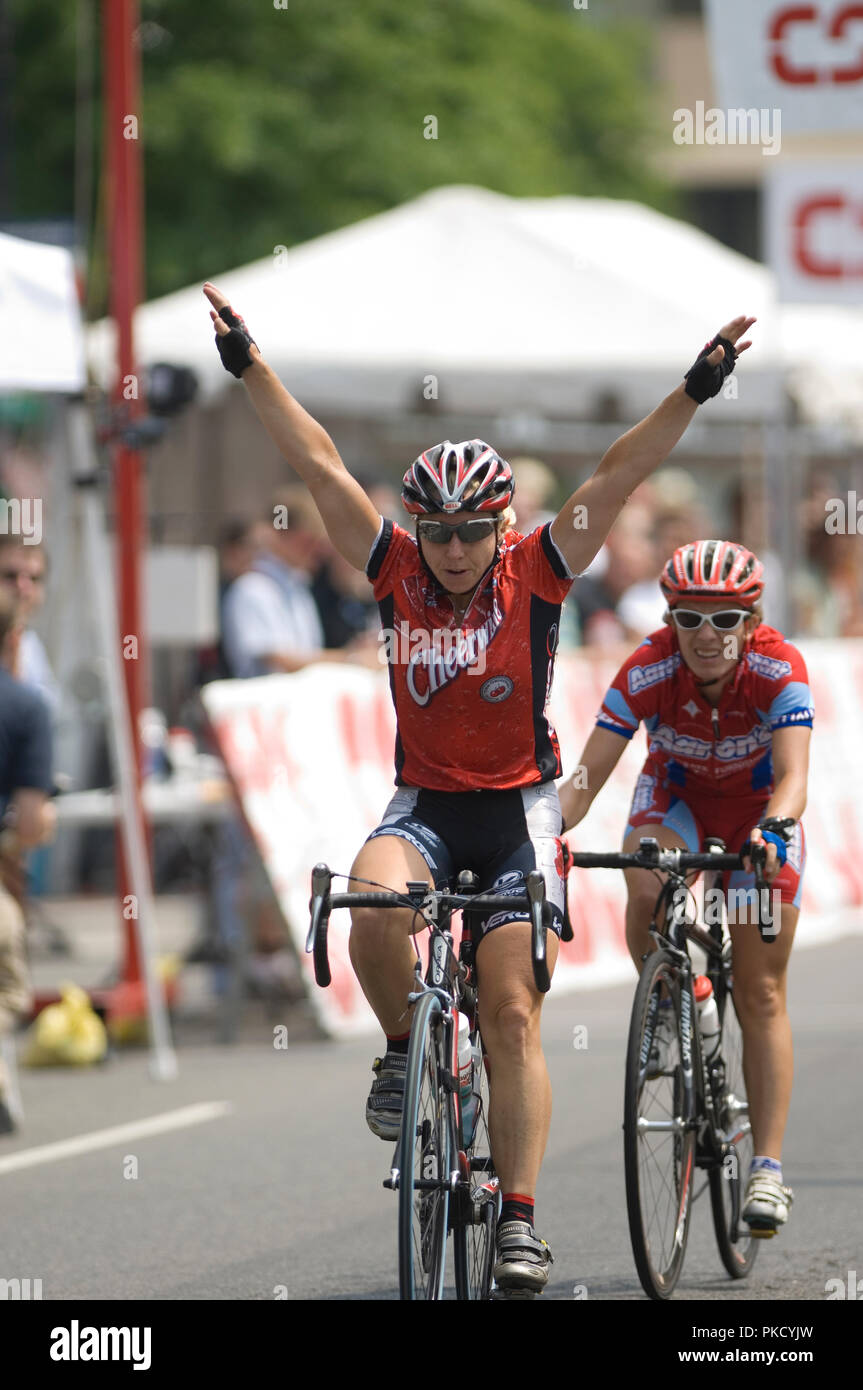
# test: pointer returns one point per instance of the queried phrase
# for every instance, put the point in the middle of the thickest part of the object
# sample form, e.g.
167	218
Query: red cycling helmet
713	569
466	477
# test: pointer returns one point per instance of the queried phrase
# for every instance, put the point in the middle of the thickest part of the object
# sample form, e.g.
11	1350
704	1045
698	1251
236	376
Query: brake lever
319	905
766	924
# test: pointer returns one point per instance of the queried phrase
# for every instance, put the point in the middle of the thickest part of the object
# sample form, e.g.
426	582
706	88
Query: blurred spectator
23	570
748	525
627	558
827	587
345	601
535	487
236	552
386	499
641	606
270	619
237	544
27	819
346	604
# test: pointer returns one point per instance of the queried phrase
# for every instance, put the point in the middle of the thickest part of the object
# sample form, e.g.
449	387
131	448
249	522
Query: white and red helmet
466	477
713	569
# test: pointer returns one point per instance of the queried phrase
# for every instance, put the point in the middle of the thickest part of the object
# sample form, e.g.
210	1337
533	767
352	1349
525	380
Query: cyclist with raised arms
725	700
476	758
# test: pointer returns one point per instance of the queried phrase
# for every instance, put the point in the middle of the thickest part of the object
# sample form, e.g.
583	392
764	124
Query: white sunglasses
726	621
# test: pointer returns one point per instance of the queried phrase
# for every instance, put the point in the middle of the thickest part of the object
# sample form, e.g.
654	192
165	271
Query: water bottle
708	1015
468	1083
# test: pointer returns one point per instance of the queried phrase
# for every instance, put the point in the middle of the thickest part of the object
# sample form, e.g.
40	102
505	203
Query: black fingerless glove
702	379
234	346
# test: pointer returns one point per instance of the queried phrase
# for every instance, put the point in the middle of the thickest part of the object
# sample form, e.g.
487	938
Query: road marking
117	1134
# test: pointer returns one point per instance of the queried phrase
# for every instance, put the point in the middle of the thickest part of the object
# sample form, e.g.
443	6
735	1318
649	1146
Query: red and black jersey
470	700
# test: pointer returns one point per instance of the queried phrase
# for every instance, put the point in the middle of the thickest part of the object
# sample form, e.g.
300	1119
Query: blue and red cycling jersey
693	748
710	771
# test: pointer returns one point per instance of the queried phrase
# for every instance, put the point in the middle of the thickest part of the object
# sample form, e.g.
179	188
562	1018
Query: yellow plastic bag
66	1034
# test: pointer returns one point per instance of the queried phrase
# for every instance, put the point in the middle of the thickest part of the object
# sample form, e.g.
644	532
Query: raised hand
732	331
220	301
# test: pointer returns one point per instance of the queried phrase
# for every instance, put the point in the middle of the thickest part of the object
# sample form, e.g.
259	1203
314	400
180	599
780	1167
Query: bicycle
693	1113
443	1173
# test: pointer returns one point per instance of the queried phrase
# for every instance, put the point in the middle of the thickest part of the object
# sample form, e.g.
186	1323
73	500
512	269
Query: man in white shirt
270	621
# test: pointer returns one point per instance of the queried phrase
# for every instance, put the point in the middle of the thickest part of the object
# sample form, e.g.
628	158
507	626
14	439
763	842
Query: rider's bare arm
790	750
586	519
598	760
351	519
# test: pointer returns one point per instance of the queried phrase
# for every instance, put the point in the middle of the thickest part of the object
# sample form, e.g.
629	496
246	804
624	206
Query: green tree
265	125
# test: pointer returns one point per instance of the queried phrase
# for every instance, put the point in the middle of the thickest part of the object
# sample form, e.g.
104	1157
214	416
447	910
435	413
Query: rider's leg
642	886
760	973
382	952
519	1087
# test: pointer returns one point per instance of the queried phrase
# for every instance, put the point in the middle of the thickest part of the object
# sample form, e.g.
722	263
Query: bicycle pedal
763	1232
517	1294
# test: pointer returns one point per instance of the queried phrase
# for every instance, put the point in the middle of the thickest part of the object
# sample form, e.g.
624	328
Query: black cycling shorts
499	835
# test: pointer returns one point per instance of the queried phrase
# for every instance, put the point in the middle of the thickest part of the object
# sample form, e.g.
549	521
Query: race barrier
311	758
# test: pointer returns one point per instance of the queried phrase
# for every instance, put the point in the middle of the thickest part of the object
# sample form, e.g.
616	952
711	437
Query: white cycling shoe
767	1203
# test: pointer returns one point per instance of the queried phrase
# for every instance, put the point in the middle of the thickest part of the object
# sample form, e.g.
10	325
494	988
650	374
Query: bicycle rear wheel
477	1209
658	1141
737	1247
424	1158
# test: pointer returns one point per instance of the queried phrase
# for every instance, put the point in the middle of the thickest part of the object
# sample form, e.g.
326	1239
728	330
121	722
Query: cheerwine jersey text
470	700
728	757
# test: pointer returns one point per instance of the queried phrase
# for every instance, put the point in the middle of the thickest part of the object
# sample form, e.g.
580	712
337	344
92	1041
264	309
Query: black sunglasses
468	532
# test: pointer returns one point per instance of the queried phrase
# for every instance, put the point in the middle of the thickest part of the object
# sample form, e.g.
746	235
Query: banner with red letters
813	226
311	757
804	61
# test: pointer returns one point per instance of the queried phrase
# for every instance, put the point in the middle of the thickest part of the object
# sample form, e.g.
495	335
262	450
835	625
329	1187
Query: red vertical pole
121	79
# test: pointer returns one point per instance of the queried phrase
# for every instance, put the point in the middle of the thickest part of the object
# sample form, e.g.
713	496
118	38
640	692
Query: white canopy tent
538	304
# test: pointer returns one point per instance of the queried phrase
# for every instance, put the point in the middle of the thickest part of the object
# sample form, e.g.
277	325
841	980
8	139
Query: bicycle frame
699	1109
442	980
469	1205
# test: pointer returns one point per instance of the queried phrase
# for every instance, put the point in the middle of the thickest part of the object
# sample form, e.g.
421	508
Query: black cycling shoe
523	1258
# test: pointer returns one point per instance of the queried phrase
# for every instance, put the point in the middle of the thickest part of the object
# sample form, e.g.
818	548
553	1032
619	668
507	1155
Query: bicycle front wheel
477	1208
424	1158
658	1140
737	1247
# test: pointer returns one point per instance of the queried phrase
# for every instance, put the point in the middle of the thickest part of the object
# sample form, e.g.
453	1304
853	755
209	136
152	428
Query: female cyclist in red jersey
726	703
470	611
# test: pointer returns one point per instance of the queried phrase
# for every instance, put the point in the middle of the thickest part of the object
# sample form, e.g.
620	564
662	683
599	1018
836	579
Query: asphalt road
275	1190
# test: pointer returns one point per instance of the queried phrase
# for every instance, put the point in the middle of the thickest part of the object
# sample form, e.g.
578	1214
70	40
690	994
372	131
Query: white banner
311	756
803	60
813	230
43	347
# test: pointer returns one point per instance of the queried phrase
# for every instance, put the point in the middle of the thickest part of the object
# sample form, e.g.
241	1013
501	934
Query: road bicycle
442	1168
685	1104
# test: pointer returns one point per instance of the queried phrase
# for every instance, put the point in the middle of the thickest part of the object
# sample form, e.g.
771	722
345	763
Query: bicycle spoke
424	1161
737	1248
659	1161
477	1212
